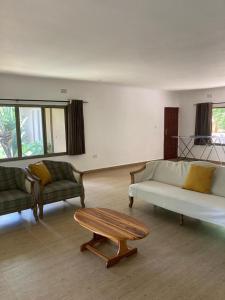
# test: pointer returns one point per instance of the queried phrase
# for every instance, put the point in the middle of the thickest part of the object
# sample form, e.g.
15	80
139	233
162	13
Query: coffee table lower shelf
122	251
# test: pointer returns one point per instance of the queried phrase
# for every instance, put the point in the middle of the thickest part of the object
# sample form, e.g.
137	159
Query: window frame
19	144
218	106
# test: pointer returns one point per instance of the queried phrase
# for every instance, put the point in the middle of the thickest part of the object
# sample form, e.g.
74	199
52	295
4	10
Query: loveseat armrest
32	176
144	173
78	175
29	184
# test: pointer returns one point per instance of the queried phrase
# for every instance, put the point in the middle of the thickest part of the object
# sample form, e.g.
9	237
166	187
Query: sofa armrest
134	173
78	175
144	173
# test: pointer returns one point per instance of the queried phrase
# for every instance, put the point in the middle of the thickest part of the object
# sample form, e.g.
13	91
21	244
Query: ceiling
161	44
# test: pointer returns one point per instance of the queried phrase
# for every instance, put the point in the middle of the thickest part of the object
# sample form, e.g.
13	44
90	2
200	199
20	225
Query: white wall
122	124
186	100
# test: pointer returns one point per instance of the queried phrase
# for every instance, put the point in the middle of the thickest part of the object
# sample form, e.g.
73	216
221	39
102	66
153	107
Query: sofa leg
40	211
82	201
35	213
181	220
131	201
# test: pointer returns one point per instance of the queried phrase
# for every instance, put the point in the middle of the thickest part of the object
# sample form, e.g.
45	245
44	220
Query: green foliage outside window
8	138
218	119
30	149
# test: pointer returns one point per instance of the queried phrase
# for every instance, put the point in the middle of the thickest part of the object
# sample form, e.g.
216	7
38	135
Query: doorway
170	130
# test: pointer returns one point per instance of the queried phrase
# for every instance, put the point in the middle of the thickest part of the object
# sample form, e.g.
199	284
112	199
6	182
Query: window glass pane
55	130
8	139
31	131
218	123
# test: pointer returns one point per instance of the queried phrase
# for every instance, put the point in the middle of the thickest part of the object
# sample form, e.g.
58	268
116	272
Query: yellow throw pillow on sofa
41	171
199	179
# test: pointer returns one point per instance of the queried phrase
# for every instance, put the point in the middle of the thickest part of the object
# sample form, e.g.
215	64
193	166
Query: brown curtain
203	122
75	128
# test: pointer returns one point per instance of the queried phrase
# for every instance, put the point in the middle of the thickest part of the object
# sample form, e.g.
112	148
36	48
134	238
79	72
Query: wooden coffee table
107	224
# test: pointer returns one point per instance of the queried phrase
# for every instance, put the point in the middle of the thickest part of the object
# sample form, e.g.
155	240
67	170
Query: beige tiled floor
43	261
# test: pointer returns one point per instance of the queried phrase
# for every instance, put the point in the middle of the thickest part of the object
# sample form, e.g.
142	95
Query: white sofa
160	183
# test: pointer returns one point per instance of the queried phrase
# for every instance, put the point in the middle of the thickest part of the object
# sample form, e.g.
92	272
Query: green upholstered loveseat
16	191
66	183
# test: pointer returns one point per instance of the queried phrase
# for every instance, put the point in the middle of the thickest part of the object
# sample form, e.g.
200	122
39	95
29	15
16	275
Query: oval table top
111	224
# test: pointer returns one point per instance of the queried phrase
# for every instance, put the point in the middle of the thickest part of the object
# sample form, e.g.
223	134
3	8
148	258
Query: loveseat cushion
12	178
14	200
61	190
59	170
206	207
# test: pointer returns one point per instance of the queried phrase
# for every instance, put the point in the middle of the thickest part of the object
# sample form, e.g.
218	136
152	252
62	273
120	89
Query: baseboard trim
115	167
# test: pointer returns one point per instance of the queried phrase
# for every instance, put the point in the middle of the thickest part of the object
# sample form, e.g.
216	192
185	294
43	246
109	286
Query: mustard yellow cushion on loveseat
41	171
199	179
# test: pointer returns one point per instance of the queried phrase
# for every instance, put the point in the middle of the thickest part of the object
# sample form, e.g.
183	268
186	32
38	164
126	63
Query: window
218	124
8	138
56	134
27	131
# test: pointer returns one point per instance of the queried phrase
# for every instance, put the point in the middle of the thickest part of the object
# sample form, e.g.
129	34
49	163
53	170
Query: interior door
170	130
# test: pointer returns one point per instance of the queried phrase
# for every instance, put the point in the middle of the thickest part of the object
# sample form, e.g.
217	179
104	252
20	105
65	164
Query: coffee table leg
123	251
97	238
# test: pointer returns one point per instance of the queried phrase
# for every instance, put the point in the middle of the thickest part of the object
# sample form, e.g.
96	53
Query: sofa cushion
41	171
199	179
12	178
60	190
14	200
171	172
59	170
175	173
206	207
218	185
147	173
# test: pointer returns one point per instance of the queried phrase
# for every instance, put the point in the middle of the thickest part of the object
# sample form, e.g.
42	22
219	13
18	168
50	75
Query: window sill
32	157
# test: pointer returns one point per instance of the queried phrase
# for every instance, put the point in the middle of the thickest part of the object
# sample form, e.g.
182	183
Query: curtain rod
210	102
26	100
